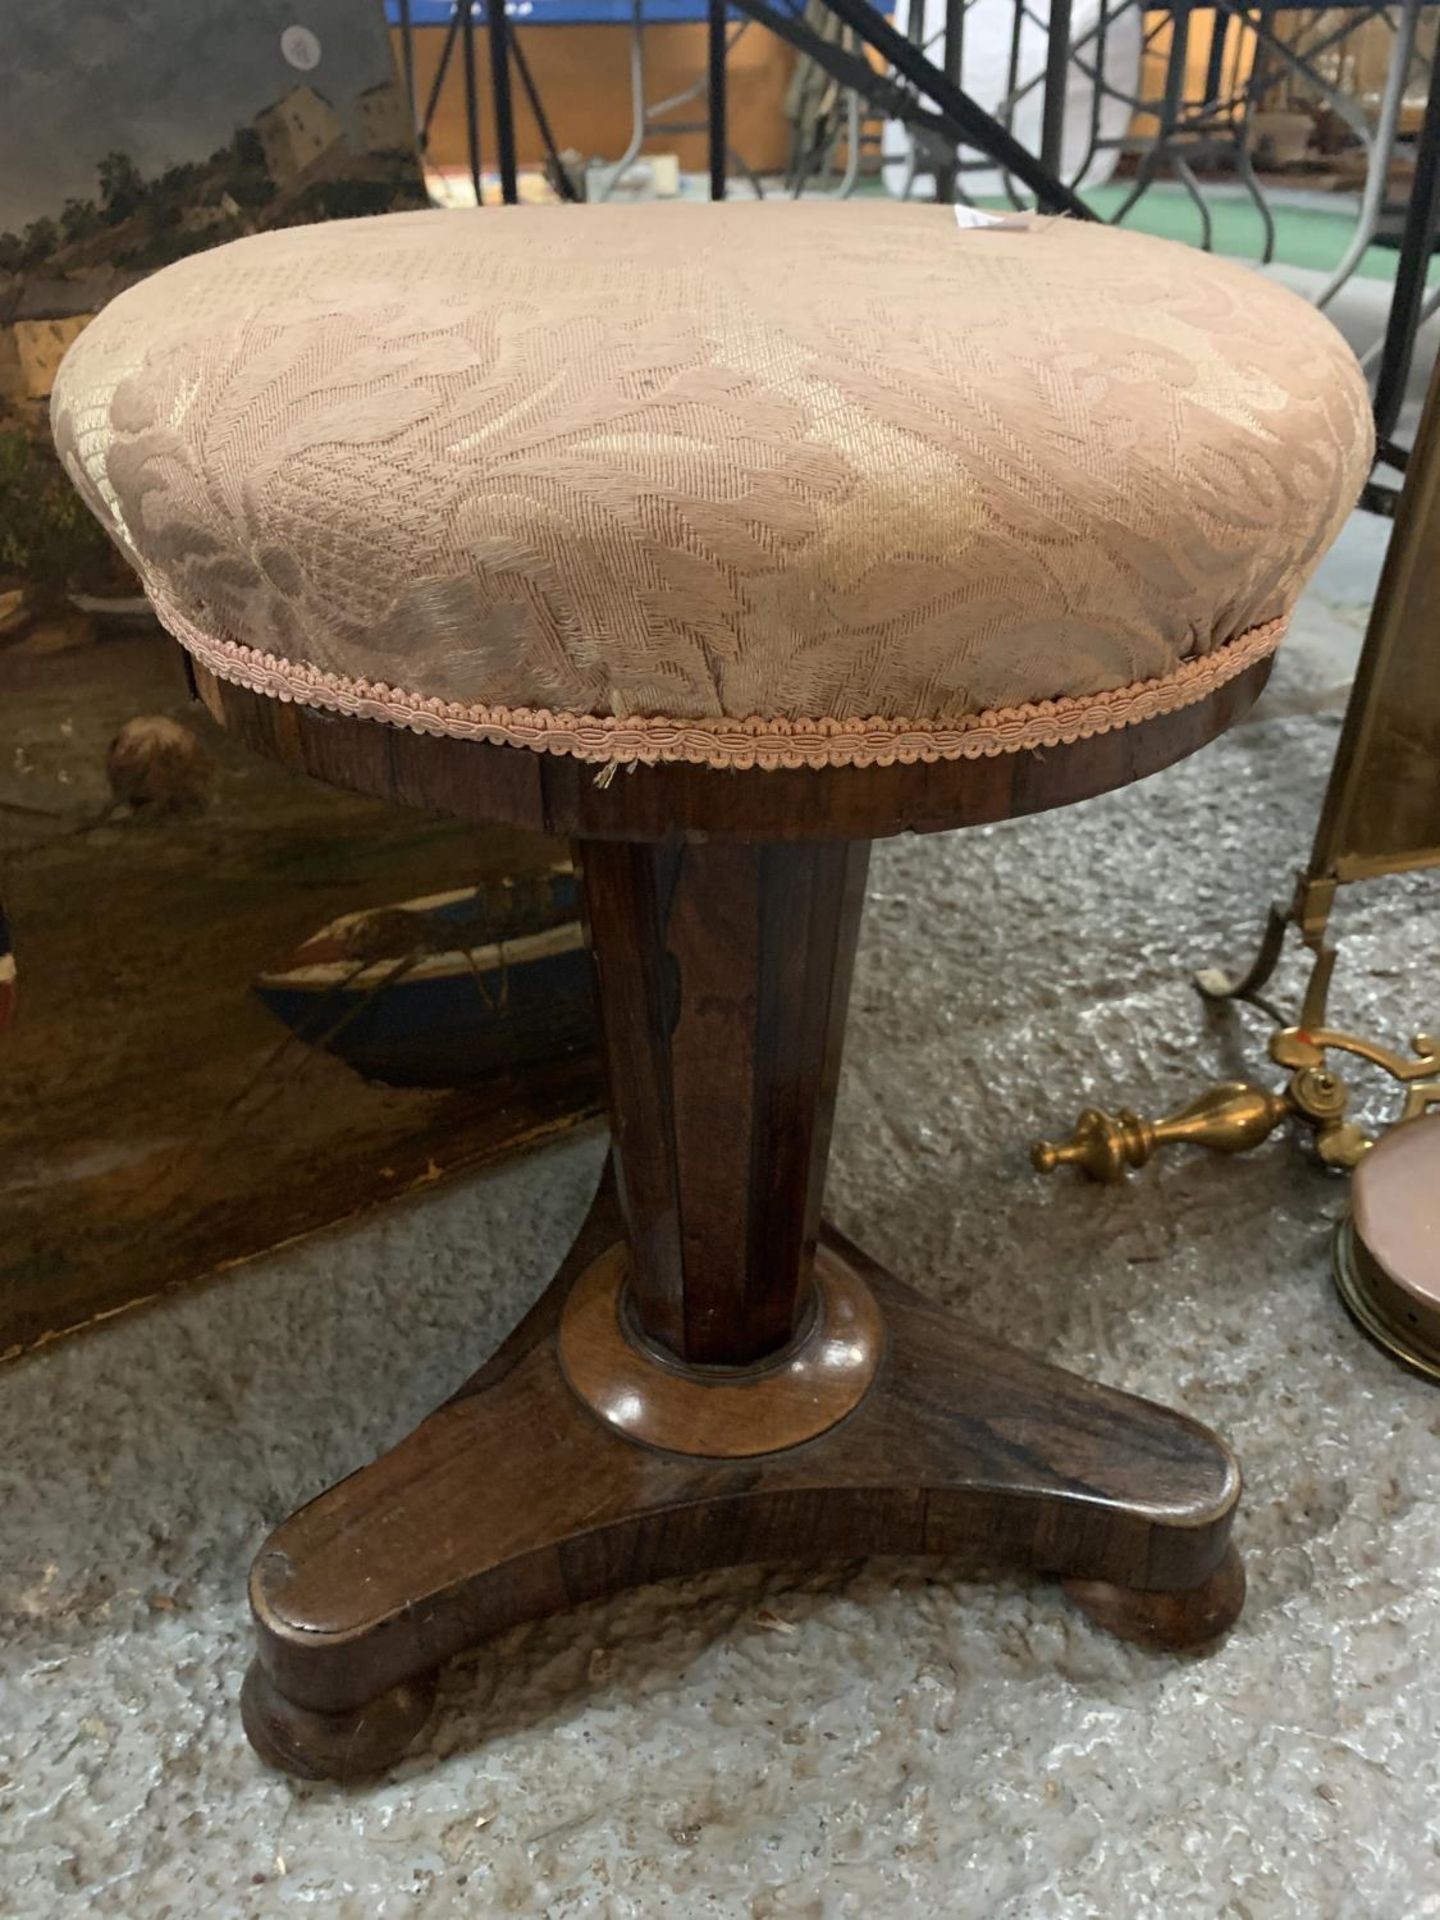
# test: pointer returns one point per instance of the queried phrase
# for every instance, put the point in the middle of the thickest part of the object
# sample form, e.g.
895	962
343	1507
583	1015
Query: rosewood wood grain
551	794
722	972
514	1501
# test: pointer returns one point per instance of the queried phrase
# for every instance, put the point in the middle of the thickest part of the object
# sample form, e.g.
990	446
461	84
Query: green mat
1304	236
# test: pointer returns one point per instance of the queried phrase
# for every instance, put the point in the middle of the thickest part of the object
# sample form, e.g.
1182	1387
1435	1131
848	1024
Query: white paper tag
966	217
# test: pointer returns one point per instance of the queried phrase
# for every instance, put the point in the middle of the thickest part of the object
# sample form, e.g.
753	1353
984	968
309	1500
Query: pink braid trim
753	742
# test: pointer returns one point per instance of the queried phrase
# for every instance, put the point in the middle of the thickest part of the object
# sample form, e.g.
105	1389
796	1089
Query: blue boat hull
435	1014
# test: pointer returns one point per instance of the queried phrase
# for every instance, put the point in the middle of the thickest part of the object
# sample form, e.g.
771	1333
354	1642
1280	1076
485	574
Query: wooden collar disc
721	1413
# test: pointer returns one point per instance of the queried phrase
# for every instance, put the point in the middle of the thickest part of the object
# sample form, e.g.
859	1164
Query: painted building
382	120
30	353
296	132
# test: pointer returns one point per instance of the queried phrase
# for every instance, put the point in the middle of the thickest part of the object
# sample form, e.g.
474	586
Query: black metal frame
716	94
505	51
952	116
1417	244
930	101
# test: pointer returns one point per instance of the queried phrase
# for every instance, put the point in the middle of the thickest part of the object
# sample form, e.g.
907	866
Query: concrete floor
863	1739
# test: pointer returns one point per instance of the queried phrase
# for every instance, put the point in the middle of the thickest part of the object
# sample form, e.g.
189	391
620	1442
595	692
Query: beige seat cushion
756	484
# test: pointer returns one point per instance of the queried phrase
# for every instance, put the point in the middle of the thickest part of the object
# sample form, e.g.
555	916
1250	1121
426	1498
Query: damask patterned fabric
754	483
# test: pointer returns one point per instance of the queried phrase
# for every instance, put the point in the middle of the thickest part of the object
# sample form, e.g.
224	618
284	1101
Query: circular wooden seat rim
549	793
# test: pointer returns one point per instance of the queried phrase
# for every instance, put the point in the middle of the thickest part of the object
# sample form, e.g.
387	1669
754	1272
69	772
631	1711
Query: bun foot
1169	1622
333	1746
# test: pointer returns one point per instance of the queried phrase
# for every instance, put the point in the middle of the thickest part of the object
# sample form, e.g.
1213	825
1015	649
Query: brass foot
1309	910
1214	983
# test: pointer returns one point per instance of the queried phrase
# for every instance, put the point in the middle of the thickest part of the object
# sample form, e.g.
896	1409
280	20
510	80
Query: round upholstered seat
745	484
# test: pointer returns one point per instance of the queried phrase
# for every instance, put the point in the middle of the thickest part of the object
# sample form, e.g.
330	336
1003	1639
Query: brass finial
1230	1118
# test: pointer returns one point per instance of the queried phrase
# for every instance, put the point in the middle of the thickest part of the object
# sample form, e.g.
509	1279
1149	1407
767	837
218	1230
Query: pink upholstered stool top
746	485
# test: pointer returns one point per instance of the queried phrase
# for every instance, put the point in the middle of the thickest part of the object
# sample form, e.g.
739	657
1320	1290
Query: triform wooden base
712	1378
517	1499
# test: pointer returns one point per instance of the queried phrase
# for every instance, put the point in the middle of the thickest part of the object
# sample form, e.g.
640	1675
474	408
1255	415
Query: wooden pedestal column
722	973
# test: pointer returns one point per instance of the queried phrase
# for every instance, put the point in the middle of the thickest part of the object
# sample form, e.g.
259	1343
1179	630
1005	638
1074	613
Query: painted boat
445	990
